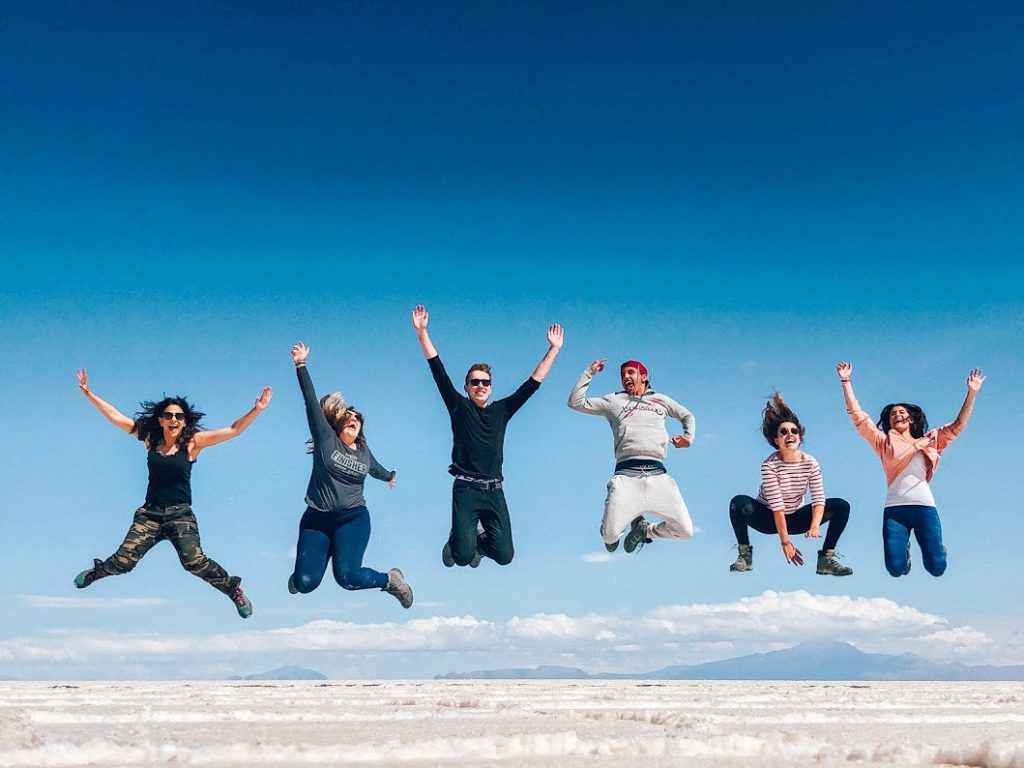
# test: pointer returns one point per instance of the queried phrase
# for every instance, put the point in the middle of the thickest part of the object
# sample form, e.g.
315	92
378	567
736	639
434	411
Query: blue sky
739	196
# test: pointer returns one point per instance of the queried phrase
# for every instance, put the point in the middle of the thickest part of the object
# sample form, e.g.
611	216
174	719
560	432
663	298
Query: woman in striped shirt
786	476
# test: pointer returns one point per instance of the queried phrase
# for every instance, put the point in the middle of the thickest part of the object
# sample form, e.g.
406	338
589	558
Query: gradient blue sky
738	195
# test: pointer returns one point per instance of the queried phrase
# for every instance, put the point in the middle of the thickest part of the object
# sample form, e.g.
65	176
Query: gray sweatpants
629	497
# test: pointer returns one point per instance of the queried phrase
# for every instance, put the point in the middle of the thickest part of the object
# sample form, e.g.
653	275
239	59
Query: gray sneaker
639	534
907	569
829	565
479	554
398	587
613	546
744	559
449	560
292	589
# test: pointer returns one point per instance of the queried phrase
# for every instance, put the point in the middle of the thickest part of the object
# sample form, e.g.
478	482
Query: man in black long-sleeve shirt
478	438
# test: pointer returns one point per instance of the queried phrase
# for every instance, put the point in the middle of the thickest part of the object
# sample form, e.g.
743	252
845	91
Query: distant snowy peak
813	660
284	673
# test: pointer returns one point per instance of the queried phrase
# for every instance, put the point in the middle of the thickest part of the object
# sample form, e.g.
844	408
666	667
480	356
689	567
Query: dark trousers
471	504
177	524
897	523
746	512
340	537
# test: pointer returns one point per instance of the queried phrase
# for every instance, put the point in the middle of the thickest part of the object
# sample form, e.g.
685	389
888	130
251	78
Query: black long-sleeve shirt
339	472
478	434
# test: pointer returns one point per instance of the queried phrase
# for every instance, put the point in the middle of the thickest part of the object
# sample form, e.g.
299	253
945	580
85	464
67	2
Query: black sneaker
292	589
446	556
613	546
639	534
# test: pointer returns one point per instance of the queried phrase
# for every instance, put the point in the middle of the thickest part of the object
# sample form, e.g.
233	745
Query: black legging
745	512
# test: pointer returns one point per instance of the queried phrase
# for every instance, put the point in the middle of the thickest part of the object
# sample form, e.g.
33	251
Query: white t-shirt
910	485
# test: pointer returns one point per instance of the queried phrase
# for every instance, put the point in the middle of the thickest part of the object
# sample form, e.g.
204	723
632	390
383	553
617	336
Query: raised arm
420	318
555	337
974	381
109	412
578	399
213	436
861	420
319	429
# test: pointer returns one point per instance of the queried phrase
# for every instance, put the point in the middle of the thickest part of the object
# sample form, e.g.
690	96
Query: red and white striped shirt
783	485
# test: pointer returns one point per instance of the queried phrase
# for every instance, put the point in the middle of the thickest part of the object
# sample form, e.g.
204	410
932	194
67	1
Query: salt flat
514	723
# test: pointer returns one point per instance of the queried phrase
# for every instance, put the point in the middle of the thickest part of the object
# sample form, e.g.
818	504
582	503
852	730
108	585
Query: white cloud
92	603
597	557
673	634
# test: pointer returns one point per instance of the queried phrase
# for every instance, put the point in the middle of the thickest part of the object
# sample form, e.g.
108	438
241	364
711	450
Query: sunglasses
479	382
789	431
173	416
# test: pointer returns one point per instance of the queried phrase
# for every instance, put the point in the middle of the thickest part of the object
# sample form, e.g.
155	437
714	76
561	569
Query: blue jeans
342	537
897	523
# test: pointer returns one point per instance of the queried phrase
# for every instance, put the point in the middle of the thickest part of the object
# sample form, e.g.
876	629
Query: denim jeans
338	536
897	523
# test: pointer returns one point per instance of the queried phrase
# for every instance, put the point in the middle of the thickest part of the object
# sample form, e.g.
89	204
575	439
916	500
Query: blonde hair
336	411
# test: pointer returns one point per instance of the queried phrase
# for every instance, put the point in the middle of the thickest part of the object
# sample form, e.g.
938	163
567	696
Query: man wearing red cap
641	485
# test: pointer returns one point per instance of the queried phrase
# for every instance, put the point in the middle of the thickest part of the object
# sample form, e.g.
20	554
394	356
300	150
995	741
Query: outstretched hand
792	554
680	441
975	379
420	317
299	353
83	381
845	370
264	399
394	477
556	335
598	365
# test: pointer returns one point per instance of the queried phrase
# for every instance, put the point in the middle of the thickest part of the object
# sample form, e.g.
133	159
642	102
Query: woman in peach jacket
910	454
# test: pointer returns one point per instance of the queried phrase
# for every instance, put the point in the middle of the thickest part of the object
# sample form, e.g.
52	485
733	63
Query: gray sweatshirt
637	421
336	483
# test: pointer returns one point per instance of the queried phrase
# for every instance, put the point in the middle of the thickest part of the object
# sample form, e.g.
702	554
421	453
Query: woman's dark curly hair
775	413
147	422
918	423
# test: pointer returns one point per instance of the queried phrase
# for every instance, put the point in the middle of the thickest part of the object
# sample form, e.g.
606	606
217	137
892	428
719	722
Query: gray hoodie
637	421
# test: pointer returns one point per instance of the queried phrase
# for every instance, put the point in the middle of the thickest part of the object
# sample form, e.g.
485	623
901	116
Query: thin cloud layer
675	634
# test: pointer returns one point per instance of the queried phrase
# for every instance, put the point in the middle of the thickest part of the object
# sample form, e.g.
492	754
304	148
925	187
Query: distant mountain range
284	673
820	660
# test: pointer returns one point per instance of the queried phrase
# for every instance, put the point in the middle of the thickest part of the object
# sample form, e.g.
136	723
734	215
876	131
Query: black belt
641	465
487	485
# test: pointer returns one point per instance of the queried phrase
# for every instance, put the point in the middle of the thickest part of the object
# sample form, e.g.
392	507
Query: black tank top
169	479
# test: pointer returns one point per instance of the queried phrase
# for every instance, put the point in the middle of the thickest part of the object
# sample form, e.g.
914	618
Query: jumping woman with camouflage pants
173	436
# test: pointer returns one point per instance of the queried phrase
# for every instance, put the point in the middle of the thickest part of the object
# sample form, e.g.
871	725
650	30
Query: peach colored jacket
896	451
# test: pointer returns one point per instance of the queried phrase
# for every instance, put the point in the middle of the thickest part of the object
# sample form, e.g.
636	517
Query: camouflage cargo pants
176	524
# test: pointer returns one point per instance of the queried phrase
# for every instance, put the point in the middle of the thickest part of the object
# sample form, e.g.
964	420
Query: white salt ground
512	723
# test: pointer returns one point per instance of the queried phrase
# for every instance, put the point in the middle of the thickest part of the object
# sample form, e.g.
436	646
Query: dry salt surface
511	723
